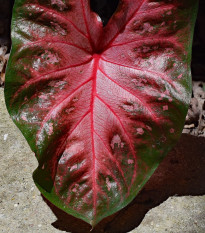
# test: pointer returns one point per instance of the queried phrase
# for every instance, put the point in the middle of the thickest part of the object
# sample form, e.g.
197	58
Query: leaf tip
93	223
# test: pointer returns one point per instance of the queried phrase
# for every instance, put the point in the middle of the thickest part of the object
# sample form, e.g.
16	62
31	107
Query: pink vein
155	118
160	8
70	132
113	159
59	42
77	124
138	69
54	13
135	12
109	173
105	194
39	78
47	117
86	24
82	169
148	40
80	179
125	131
71	187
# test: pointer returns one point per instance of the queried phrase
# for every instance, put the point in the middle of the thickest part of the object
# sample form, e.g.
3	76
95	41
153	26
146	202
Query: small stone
5	137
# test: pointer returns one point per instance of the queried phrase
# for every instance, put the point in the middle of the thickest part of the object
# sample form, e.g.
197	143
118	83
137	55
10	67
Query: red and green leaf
99	106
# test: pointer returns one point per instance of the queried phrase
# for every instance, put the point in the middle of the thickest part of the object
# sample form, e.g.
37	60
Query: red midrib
96	59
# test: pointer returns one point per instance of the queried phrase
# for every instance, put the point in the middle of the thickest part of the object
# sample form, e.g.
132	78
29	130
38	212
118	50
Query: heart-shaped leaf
99	106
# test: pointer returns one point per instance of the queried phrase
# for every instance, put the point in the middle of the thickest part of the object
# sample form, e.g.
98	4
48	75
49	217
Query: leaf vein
48	115
142	102
54	13
147	71
59	42
39	78
126	133
113	159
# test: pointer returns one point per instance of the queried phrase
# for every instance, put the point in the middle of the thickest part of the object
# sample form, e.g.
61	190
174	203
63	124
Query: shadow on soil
181	173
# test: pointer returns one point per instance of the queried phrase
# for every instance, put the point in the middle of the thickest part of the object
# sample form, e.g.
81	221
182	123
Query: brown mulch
195	119
3	62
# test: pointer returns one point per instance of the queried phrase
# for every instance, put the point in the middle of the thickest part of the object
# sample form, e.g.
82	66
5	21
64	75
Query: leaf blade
100	107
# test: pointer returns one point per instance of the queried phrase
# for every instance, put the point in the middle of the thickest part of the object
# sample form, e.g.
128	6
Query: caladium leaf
99	106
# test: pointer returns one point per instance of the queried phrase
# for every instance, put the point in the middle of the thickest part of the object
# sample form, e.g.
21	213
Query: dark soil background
5	20
198	52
